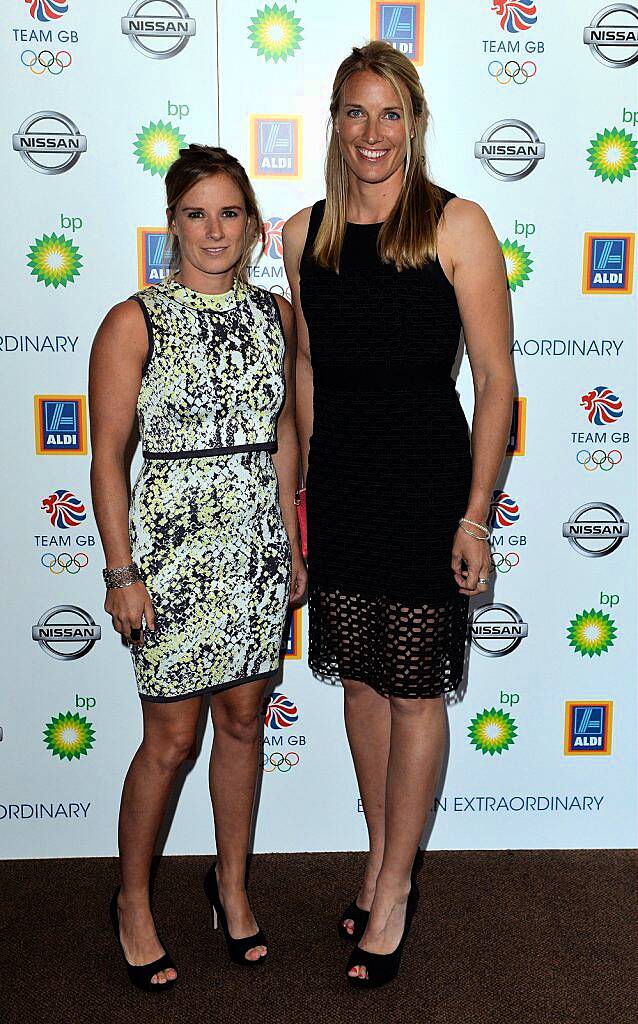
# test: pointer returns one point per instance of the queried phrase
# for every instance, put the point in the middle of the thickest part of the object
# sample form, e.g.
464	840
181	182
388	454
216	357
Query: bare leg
233	778
367	718
416	752
169	732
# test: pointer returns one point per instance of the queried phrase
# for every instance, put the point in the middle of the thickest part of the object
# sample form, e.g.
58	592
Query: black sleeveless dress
389	471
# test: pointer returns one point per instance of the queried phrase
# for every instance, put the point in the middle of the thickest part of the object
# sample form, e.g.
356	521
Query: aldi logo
153	255
275	147
60	424
291	647
608	264
401	25
588	726
516	442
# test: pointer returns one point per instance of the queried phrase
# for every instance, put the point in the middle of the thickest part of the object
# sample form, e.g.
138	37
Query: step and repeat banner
534	116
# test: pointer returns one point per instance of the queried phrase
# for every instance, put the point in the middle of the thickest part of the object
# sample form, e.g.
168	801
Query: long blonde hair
199	162
408	236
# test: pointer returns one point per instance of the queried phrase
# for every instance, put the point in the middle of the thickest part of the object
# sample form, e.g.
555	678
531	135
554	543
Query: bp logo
66	632
595	529
69	736
518	263
275	33
497	630
49	142
612	35
157	147
54	260
158	34
492	731
509	150
612	155
591	633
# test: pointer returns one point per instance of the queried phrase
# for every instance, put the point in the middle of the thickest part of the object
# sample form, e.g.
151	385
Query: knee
406	709
169	750
238	724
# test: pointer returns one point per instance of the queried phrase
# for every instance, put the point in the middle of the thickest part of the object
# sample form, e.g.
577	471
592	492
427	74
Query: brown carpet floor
513	937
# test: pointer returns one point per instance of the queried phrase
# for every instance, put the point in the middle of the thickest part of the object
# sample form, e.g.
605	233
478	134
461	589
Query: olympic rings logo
512	71
279	762
57	564
505	562
591	461
46	60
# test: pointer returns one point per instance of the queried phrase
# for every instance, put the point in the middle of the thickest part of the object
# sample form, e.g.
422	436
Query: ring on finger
483	581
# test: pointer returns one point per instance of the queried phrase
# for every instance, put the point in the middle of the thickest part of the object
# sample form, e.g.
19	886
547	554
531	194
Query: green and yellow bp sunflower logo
492	731
591	633
518	263
55	260
158	146
613	154
69	736
275	33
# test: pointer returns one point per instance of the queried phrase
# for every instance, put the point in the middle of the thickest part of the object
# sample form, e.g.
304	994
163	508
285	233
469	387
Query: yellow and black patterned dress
205	522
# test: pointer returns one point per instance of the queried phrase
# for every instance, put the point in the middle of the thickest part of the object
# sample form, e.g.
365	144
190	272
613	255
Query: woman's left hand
477	556
299	577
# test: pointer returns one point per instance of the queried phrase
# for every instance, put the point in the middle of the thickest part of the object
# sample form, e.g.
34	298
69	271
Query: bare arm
286	458
115	373
294	237
472	257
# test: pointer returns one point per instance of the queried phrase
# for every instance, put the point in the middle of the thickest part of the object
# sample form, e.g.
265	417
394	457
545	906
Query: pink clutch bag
300	502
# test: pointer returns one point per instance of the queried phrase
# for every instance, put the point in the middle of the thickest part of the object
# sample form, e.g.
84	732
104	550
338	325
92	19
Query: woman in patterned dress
203	565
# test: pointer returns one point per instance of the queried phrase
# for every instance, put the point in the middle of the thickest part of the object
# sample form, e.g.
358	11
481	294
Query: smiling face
211	223
371	127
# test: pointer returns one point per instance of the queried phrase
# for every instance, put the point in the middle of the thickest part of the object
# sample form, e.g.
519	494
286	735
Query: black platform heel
382	967
141	976
359	917
237	948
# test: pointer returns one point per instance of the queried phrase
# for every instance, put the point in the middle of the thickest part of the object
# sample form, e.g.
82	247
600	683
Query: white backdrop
542	737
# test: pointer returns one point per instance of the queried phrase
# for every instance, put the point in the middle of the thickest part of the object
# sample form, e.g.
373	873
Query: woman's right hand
126	606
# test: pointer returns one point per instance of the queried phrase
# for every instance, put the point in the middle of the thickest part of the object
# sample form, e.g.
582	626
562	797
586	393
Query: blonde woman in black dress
384	273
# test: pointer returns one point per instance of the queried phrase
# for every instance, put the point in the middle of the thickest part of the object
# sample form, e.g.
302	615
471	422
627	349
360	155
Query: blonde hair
199	162
408	236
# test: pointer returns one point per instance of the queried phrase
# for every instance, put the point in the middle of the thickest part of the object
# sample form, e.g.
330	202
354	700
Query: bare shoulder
286	312
124	316
123	330
463	218
295	233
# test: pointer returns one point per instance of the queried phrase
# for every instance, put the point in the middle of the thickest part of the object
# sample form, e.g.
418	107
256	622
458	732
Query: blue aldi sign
588	727
608	264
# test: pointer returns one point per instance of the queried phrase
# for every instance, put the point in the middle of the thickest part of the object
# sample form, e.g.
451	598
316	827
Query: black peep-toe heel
359	917
141	976
237	948
382	967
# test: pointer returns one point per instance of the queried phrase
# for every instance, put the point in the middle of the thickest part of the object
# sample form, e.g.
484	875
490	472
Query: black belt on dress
203	453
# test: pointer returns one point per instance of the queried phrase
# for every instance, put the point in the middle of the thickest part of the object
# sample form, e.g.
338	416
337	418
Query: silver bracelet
479	525
122	576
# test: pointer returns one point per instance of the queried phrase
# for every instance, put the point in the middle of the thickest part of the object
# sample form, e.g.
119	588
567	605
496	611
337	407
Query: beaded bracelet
122	576
479	526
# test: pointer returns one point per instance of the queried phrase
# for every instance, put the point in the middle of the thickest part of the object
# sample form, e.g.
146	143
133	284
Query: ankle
133	902
393	887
